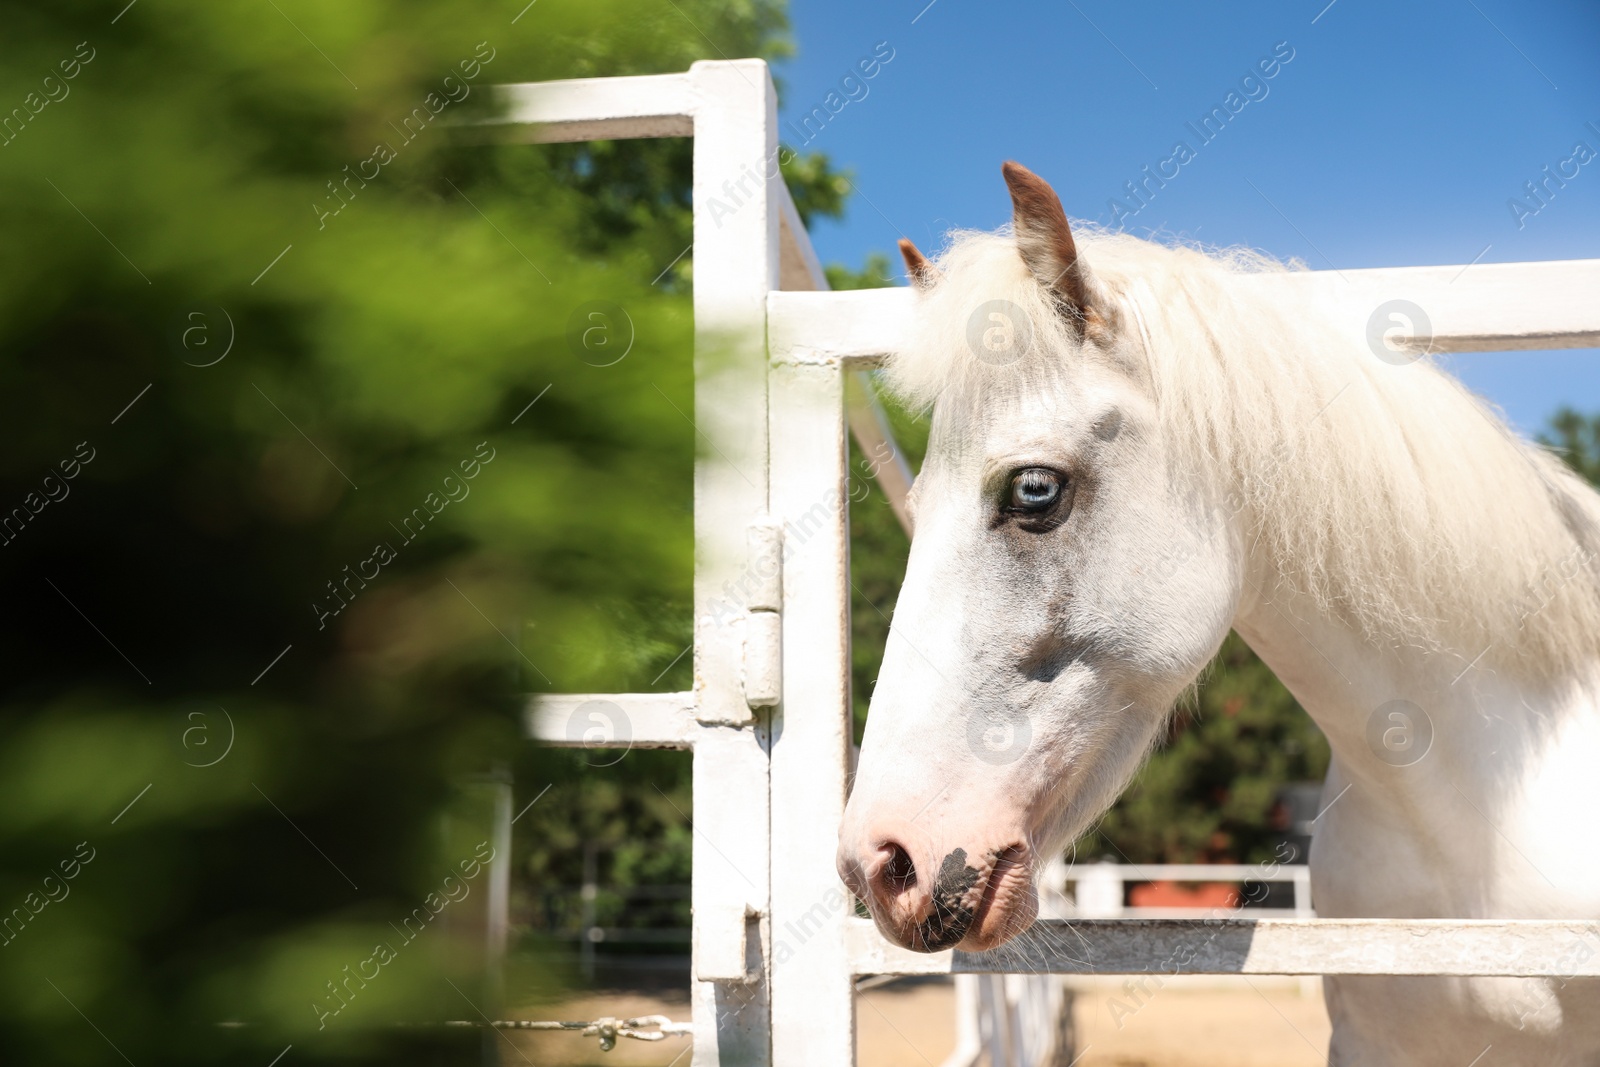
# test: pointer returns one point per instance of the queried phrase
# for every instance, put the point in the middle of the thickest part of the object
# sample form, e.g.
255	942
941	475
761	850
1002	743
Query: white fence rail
776	943
1505	948
1490	307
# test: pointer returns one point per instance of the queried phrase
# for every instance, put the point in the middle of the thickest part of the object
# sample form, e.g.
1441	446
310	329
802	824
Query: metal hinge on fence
763	642
727	945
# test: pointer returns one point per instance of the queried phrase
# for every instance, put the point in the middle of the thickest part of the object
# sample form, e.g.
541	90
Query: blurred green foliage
341	488
874	274
1575	437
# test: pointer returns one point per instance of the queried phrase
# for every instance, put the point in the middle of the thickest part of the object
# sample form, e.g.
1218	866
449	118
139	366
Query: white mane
1389	494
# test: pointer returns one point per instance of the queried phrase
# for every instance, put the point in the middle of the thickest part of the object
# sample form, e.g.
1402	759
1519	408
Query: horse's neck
1339	677
1472	701
1441	766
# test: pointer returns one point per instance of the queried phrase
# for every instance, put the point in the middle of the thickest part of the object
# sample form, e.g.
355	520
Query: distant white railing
1099	889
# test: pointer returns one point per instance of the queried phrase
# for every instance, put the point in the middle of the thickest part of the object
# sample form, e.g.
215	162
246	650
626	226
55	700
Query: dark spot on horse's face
951	917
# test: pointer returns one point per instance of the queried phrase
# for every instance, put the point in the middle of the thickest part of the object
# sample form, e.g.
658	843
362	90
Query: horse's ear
921	272
1045	240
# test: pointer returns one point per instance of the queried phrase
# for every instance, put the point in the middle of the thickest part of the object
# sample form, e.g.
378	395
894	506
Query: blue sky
1394	136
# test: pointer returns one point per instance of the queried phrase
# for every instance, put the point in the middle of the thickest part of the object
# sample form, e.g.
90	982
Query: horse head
1066	583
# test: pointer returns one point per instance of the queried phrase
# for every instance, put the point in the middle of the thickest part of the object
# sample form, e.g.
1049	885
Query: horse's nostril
899	873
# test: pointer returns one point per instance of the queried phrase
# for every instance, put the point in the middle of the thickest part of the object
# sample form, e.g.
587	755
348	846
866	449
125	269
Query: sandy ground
1241	1025
1247	1023
1235	1026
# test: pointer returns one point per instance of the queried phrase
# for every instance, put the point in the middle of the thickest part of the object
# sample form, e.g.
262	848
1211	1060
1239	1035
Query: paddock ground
1222	1023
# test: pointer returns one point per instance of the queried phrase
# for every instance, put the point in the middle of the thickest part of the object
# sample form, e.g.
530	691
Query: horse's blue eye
1035	489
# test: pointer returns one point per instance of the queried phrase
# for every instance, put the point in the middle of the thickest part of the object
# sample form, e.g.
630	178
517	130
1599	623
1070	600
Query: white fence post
1099	893
1302	891
735	266
813	1006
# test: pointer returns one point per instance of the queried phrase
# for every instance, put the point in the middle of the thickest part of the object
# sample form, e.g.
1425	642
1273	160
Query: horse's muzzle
929	907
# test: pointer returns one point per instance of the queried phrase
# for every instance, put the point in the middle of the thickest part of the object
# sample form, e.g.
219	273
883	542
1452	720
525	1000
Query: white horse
1133	452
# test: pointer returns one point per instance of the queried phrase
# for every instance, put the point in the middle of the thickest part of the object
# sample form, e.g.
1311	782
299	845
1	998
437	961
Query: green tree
1575	437
874	274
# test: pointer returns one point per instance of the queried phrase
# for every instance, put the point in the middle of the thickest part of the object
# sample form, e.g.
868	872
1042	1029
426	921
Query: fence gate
768	720
778	384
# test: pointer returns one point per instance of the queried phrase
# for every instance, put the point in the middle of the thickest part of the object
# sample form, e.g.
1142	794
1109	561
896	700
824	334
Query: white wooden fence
777	943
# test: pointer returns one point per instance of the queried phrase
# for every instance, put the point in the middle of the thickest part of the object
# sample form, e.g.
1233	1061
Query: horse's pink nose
869	871
891	880
927	903
902	896
883	875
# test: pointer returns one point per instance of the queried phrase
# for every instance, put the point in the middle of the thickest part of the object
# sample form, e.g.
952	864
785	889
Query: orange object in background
1184	895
